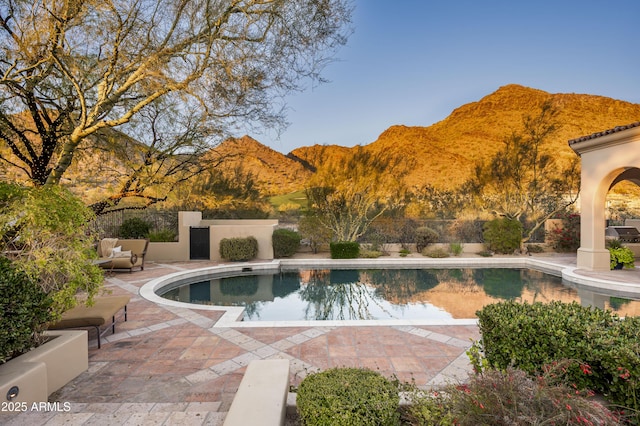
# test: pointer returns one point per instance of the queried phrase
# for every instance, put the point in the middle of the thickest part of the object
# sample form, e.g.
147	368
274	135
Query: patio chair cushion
101	313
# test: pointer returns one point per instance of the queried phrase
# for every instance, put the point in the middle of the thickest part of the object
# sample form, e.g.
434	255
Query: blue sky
413	62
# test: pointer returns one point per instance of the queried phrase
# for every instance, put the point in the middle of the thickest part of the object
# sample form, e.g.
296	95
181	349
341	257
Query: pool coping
232	314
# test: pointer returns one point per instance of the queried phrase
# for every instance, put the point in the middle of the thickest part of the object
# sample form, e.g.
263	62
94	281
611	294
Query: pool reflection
386	293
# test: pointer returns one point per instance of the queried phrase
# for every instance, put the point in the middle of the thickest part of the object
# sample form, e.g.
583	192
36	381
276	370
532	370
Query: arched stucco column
592	253
605	157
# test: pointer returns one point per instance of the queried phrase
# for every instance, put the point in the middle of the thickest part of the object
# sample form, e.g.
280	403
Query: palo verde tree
349	193
70	69
523	181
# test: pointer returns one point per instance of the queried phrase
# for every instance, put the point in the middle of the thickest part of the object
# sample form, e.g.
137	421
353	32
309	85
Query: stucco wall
262	230
603	160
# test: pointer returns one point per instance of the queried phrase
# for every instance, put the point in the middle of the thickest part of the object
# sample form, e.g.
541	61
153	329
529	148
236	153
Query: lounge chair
102	312
116	253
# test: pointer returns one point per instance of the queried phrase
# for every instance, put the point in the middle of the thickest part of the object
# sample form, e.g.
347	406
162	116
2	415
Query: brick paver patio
168	365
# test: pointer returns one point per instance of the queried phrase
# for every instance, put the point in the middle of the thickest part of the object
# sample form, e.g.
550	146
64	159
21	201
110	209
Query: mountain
447	151
273	172
315	156
445	154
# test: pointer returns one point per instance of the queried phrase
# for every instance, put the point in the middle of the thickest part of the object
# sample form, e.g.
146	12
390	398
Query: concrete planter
32	377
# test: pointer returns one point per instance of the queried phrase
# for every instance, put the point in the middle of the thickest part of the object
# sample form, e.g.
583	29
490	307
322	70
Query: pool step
262	395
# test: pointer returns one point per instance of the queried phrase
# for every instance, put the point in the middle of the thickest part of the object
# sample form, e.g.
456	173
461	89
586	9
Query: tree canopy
71	69
350	193
523	181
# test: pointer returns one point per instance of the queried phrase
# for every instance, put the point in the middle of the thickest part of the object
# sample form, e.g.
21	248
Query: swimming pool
593	290
373	294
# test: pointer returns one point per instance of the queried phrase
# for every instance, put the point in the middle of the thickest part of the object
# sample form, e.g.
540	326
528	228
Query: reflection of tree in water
246	285
400	285
501	283
618	302
346	298
285	283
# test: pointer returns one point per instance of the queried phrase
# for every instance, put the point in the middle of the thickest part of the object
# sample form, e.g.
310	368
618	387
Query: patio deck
168	365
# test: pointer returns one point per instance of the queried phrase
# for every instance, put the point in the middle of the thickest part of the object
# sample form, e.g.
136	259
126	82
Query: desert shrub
134	228
238	249
370	254
348	396
435	253
468	231
535	248
567	237
344	249
162	236
509	397
503	235
25	310
456	248
312	229
391	230
603	351
285	242
424	237
404	252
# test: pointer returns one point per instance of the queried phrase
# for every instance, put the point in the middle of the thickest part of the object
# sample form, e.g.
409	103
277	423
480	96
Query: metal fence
108	225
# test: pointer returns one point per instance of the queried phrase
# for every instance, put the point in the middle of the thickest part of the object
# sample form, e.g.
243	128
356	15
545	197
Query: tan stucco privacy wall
607	158
261	229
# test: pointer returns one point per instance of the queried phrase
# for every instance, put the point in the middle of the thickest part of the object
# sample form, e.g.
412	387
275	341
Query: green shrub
238	249
456	248
285	242
348	396
404	252
48	229
424	237
600	351
162	236
25	310
344	250
503	235
134	228
621	256
619	352
435	253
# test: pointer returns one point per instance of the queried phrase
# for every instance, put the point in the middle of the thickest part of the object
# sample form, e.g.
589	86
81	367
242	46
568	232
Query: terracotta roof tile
604	132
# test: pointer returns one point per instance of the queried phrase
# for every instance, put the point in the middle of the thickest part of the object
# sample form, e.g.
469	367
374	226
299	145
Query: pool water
335	294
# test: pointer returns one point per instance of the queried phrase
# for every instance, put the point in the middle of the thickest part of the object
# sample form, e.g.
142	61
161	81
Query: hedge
348	396
238	249
604	350
24	308
285	242
503	235
344	249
